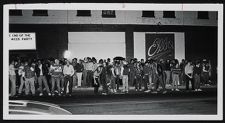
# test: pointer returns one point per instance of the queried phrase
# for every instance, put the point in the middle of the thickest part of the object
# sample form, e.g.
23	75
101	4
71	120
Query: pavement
83	101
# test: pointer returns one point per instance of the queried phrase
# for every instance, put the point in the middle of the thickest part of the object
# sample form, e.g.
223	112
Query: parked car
35	108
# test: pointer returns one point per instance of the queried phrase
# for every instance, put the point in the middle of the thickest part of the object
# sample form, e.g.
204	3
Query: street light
67	54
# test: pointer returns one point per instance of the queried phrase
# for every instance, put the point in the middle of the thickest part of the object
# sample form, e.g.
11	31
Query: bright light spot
67	54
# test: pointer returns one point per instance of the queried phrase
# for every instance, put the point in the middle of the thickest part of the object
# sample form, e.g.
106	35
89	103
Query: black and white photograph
113	61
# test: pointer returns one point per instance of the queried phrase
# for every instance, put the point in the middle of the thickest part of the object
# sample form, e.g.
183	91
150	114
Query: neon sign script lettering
160	45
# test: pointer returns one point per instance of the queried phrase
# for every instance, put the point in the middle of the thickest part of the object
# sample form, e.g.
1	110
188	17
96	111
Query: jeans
29	86
22	82
168	73
43	79
111	80
117	79
159	81
96	85
57	81
75	79
131	78
79	77
146	81
12	79
125	83
205	77
84	84
138	82
89	78
187	79
70	80
197	81
175	78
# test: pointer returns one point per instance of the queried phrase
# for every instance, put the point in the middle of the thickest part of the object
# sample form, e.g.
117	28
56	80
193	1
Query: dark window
168	14
83	12
40	12
203	15
148	14
15	13
108	13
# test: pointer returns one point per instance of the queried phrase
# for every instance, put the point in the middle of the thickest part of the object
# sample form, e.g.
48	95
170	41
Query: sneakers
177	89
199	89
147	91
41	94
172	89
164	92
154	92
104	94
49	94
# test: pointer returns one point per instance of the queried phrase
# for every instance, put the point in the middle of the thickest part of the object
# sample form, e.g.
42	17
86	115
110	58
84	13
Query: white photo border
114	6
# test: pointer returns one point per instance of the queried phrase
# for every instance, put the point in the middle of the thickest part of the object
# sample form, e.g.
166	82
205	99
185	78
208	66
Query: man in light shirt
68	72
188	71
12	78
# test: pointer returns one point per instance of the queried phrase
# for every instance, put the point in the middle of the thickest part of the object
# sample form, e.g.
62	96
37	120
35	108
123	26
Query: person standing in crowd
188	70
12	78
103	79
138	76
182	65
175	70
78	70
153	73
146	72
41	72
125	71
159	79
205	72
197	74
21	72
68	72
110	76
75	78
29	79
117	71
96	76
56	73
62	63
131	73
16	66
168	71
90	69
85	72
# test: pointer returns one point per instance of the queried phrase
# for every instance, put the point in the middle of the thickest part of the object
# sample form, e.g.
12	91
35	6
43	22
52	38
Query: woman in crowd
110	76
125	71
103	79
96	77
197	74
175	70
117	71
138	76
188	71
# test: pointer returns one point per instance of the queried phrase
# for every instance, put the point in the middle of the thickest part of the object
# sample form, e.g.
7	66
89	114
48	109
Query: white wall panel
101	45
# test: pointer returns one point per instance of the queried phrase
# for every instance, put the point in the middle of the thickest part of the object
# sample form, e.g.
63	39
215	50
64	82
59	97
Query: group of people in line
54	77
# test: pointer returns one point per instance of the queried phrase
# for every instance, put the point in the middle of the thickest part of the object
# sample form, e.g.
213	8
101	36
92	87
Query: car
35	108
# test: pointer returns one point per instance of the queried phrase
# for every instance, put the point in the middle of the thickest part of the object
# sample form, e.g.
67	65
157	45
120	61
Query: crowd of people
54	77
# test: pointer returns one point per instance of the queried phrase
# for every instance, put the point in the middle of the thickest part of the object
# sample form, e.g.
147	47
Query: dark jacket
38	70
